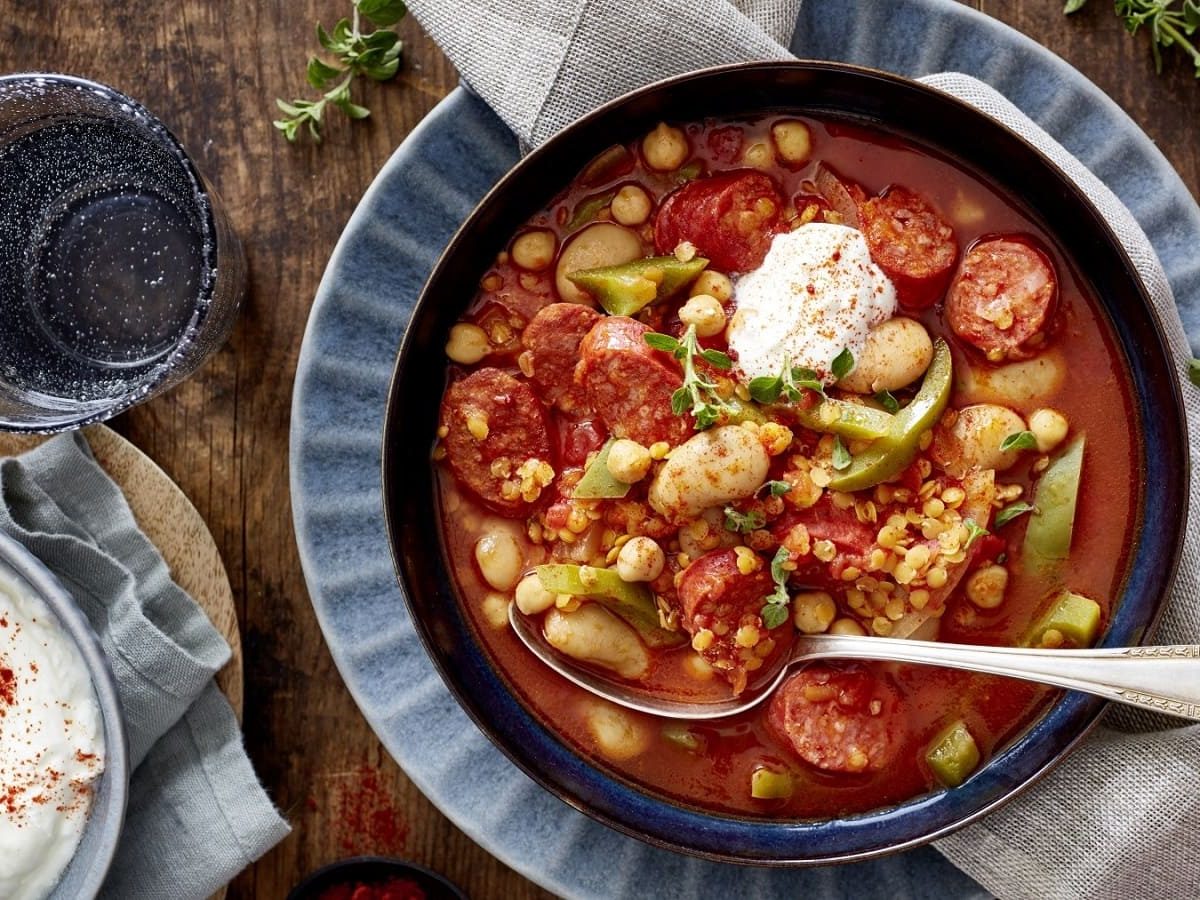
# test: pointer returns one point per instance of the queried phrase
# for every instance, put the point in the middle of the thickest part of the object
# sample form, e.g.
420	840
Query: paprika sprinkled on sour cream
816	294
51	745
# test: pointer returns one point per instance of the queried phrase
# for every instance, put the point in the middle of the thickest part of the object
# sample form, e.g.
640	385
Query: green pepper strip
588	209
632	602
1074	616
953	755
597	482
1048	534
625	289
890	454
849	420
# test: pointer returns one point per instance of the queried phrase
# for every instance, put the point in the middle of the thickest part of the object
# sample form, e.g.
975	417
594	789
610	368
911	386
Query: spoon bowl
1163	678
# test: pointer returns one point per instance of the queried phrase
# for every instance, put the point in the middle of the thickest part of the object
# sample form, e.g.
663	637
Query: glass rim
161	371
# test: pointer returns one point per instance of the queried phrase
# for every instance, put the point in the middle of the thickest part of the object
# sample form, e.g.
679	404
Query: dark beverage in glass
118	272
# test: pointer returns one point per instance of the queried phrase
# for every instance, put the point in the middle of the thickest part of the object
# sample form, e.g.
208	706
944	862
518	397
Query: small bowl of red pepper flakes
375	878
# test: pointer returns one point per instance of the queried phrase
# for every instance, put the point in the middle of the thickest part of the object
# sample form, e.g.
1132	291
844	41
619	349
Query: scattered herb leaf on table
1170	22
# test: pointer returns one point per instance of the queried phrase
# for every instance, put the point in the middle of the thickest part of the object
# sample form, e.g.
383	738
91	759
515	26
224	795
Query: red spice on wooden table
394	888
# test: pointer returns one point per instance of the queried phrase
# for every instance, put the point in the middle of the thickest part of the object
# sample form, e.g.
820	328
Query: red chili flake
8	687
367	817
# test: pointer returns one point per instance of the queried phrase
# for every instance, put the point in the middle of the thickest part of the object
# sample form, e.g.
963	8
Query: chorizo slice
730	218
913	245
722	611
844	721
497	440
552	340
629	384
1002	298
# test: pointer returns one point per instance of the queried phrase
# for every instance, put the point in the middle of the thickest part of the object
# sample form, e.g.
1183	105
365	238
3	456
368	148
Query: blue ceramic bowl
830	90
88	868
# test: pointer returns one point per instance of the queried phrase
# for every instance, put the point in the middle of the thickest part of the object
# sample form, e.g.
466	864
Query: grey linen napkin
197	813
1118	817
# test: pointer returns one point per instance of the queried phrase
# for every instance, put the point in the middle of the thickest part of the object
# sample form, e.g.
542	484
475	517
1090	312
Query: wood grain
211	69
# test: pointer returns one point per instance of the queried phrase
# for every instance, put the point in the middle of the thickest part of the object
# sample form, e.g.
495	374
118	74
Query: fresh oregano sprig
375	55
697	395
1170	23
775	605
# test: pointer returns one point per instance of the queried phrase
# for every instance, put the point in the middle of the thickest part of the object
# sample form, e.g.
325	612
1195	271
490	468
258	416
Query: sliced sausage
730	218
719	601
629	384
845	720
852	541
913	245
553	339
494	425
1002	298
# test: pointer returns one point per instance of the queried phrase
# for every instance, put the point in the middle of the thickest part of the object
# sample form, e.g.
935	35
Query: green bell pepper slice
1048	534
632	602
849	420
588	209
953	755
890	454
1074	616
627	288
597	482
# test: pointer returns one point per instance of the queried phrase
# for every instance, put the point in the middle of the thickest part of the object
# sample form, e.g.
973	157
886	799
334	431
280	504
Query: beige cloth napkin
1116	819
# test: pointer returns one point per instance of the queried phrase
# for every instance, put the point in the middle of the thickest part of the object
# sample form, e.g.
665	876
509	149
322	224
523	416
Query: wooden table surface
210	69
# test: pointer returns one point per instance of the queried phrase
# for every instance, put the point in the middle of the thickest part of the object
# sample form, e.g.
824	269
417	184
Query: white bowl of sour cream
64	766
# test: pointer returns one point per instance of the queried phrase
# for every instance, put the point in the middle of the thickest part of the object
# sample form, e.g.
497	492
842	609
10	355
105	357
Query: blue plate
377	270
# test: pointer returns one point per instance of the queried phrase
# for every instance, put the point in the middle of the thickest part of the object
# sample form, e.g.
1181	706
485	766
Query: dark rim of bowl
62	605
325	877
163	370
413	522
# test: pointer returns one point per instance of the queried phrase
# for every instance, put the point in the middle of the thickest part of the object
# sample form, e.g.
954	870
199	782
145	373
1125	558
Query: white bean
593	634
896	354
500	558
495	609
760	155
973	441
640	559
617	733
1024	385
602	244
709	469
531	598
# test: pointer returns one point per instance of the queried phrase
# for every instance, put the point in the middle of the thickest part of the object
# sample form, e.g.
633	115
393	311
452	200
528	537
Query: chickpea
985	588
531	598
495	609
617	733
759	156
631	205
814	611
534	250
641	559
974	440
714	284
602	244
846	626
705	312
500	559
468	344
665	148
1049	427
628	461
792	140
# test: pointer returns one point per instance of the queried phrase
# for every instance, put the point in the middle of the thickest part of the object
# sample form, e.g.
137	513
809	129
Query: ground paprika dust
394	888
366	818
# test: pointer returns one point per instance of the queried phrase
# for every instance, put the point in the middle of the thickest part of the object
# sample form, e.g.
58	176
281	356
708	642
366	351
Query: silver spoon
1164	679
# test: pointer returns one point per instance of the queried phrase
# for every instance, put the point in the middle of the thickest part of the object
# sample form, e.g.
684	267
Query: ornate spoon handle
1166	679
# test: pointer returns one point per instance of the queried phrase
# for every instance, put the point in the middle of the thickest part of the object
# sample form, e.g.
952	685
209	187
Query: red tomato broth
1094	395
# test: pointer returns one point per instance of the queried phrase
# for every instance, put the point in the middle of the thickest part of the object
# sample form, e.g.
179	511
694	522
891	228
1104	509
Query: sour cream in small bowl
64	767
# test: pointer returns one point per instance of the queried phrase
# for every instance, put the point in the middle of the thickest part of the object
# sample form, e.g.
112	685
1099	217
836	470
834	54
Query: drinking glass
119	273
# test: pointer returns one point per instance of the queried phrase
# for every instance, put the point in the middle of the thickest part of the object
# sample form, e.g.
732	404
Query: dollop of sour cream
816	293
51	745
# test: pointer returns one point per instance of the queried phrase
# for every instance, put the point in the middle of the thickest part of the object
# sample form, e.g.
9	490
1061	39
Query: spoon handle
1164	679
